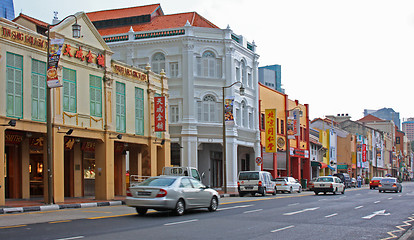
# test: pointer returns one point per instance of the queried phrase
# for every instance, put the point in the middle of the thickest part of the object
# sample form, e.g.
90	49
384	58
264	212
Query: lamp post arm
52	25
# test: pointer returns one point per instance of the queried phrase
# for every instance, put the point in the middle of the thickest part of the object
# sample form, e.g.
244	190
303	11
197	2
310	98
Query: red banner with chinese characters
364	152
159	114
270	141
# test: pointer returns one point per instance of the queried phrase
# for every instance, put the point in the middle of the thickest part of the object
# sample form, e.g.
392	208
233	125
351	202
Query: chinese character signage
270	130
54	56
293	128
228	111
84	55
159	114
364	152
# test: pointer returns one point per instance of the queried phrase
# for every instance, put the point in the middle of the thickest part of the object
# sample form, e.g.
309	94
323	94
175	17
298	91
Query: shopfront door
216	169
36	170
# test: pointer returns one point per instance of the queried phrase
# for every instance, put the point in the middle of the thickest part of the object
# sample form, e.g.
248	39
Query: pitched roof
158	22
123	12
370	118
30	19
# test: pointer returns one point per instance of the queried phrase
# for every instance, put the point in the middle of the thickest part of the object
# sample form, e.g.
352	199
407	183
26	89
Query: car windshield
280	179
158	182
324	179
249	176
388	180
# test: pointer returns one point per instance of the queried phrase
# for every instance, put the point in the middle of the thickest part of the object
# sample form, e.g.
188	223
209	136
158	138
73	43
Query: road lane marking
293	204
389	198
301	211
227	208
95	212
281	229
358	207
332	215
70	238
15	226
323	199
122	215
377	213
257	210
377	201
174	223
61	221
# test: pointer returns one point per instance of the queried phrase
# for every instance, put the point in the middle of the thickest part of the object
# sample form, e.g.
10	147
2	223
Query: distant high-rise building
7	9
270	76
408	128
386	114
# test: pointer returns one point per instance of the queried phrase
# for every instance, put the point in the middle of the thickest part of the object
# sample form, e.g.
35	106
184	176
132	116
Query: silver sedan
389	184
176	193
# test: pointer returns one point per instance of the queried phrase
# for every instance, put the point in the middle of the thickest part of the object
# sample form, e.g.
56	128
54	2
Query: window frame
70	108
119	116
38	101
95	102
139	108
14	95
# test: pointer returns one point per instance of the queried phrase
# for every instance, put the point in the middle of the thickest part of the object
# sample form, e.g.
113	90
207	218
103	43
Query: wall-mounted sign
270	130
13	137
129	72
364	152
159	114
84	55
23	38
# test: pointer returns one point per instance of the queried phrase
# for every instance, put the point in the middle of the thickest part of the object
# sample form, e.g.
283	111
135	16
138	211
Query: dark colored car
345	178
375	181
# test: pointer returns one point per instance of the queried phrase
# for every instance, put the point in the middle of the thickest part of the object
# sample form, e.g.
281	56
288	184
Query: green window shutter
69	90
95	91
139	111
38	90
120	107
14	85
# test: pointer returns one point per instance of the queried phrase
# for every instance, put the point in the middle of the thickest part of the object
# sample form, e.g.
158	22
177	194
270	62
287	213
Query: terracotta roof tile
123	12
33	20
162	22
370	118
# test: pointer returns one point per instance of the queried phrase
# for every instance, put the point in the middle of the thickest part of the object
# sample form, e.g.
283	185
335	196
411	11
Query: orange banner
270	118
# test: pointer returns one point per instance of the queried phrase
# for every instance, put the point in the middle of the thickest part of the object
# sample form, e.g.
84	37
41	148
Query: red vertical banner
364	152
159	114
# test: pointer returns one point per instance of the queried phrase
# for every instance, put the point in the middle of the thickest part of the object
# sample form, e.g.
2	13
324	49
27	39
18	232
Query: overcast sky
336	56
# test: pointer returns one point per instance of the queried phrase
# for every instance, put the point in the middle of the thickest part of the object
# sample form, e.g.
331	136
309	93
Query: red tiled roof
33	20
123	12
370	118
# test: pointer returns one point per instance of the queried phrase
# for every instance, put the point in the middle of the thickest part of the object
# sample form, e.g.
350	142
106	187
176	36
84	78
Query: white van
255	182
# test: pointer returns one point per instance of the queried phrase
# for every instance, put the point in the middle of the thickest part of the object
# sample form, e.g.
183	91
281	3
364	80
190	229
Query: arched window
208	65
207	109
158	62
245	113
243	73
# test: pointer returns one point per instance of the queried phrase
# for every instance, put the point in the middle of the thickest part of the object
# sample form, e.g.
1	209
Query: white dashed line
377	202
389	198
174	223
70	238
358	207
331	215
257	210
242	206
293	204
281	229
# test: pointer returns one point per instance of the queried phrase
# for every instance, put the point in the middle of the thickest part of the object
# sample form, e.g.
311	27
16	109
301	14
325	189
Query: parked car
345	178
375	181
255	182
390	184
288	184
310	183
328	184
176	193
353	182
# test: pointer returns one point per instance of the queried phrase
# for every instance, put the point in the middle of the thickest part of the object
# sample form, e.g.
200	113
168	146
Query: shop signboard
364	152
270	130
293	125
159	114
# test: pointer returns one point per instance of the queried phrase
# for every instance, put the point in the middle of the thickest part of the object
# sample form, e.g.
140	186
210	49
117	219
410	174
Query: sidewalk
38	204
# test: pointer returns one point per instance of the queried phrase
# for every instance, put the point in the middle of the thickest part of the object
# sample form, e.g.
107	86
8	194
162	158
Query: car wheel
401	190
324	193
141	211
316	193
334	192
290	190
343	191
379	190
300	189
263	192
274	192
241	194
179	208
213	204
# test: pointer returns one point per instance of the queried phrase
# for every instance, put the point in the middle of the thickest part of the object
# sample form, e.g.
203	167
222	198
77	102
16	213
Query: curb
409	234
59	206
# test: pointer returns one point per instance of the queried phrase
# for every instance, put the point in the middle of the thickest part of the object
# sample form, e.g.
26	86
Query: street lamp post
76	34
224	134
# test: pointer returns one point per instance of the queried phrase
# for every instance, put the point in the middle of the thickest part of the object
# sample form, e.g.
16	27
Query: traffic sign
259	160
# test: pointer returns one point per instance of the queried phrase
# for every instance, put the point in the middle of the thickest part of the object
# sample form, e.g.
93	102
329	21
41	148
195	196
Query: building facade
271	76
201	61
408	128
102	114
7	9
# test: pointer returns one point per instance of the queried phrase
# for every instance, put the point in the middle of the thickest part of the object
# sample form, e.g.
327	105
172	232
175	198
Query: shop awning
342	166
324	165
315	163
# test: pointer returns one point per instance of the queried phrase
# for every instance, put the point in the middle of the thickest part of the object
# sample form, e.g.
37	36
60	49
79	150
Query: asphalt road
358	214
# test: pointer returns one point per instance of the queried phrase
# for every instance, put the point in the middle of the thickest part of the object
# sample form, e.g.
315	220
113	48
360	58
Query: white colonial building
199	59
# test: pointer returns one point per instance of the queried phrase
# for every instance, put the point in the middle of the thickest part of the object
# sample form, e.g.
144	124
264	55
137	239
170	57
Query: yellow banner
270	120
